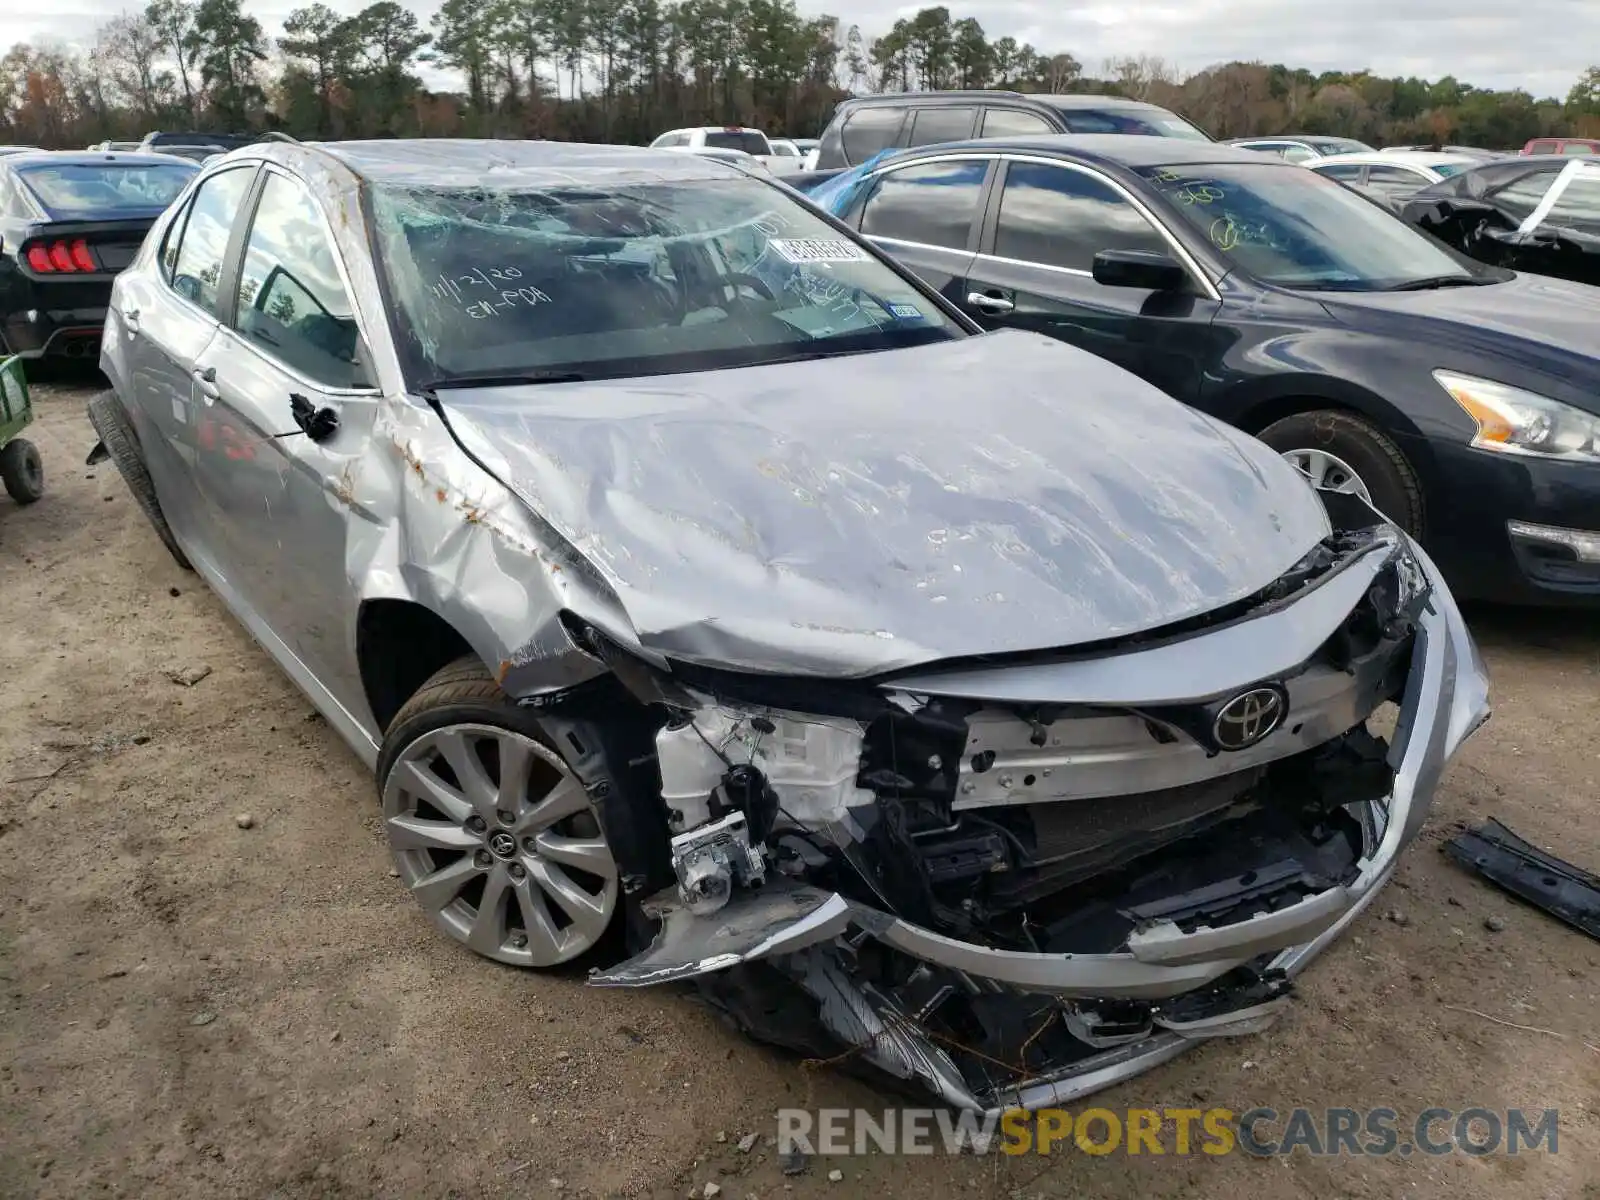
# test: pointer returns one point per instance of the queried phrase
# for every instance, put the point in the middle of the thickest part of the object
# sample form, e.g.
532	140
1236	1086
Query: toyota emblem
503	844
1249	717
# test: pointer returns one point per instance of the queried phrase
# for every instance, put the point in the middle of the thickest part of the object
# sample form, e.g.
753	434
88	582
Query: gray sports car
714	602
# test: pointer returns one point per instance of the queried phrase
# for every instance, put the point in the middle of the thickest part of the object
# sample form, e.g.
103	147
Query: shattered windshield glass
631	278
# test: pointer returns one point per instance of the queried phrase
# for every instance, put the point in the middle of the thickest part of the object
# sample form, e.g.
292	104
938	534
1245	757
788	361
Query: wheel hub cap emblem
502	843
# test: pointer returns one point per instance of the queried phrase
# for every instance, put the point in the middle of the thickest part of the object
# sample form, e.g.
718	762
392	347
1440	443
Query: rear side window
1063	218
941	124
869	130
292	304
751	141
1009	122
196	260
1576	148
1344	172
933	203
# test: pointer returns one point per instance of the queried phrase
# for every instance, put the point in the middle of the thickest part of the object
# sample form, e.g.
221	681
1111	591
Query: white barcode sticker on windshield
818	250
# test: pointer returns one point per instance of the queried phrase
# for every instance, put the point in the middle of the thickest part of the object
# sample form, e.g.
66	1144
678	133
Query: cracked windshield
638	278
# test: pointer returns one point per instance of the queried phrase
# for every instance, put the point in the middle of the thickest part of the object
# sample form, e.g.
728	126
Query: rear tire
22	470
122	444
1347	444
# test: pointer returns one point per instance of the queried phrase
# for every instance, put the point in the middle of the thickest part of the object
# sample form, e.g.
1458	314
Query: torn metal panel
1566	892
792	519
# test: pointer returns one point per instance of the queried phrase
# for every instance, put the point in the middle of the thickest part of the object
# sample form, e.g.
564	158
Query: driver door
1034	271
291	340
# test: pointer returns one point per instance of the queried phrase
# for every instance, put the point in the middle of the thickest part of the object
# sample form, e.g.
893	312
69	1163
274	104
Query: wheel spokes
589	914
586	854
566	799
419	833
437	889
488	931
476	786
421	782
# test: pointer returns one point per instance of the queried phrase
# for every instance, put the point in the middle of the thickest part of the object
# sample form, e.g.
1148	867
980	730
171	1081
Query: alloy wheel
499	843
1328	471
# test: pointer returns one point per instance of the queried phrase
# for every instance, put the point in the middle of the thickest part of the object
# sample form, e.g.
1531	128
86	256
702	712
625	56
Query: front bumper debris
1192	983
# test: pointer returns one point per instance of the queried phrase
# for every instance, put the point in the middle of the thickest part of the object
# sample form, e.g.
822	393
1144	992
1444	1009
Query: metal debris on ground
1566	892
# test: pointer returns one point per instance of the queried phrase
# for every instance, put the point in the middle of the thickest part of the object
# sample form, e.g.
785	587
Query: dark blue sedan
1461	398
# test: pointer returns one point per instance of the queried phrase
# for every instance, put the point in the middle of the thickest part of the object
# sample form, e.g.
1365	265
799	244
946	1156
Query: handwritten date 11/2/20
487	293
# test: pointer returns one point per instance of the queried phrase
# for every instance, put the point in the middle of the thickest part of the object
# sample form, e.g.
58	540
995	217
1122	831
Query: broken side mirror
1150	270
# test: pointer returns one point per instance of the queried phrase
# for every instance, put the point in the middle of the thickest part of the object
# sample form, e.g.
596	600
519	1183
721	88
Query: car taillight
62	257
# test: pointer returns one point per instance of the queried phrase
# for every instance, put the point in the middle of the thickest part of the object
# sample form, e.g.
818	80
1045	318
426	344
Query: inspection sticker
818	250
906	312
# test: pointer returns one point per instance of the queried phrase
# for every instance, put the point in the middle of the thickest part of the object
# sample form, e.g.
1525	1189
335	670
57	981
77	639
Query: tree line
625	70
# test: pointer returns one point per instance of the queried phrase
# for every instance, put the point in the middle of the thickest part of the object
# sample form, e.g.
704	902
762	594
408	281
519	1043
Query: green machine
20	468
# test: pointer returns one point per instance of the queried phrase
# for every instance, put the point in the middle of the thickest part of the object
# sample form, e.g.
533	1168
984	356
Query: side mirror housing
1147	269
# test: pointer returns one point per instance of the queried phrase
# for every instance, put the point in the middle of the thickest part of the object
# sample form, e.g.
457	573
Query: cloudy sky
1540	45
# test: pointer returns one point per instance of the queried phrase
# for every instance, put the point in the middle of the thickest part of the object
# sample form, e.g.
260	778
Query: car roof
1417	158
1066	100
90	158
1114	149
468	162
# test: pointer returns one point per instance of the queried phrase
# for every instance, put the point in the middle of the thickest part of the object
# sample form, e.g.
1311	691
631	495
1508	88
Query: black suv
864	125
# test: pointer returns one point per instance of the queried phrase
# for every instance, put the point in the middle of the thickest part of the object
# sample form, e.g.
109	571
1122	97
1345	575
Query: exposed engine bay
986	893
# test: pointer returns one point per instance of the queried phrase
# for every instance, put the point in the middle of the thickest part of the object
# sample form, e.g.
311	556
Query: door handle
206	381
990	304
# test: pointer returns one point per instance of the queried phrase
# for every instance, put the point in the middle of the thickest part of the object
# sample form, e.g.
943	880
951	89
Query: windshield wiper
518	379
1431	282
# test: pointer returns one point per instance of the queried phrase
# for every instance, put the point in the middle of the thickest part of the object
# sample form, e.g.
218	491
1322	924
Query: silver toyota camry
713	602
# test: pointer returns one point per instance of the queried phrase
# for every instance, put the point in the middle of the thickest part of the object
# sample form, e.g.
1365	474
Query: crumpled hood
851	516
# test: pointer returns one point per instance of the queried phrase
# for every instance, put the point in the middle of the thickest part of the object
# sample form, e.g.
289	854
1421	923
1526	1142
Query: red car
1569	146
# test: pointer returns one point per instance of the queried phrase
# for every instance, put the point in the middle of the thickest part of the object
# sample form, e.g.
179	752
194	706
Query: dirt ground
191	1008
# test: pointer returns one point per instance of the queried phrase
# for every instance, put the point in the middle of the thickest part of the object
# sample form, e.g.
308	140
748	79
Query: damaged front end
1018	880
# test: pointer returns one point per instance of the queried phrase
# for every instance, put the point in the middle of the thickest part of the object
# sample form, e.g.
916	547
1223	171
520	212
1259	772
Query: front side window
1347	172
1395	180
1298	154
292	304
1063	218
931	203
1521	196
869	130
81	191
196	257
941	124
1293	228
1542	148
1153	122
631	278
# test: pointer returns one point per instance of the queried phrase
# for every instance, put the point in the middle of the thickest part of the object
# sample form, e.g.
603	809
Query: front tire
493	833
1346	453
